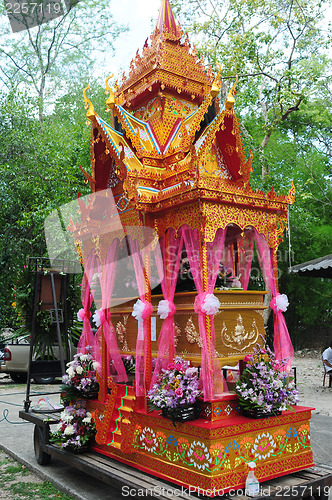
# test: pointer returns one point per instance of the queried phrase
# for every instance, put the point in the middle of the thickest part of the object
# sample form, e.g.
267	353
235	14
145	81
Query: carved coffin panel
238	325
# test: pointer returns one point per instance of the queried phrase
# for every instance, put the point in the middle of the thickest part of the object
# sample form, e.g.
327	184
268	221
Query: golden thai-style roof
171	142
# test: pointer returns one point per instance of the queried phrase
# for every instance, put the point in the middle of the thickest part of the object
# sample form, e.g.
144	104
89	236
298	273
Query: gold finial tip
216	83
111	99
230	101
90	114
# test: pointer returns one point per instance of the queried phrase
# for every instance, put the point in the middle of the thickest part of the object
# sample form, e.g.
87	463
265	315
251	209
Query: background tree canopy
43	136
280	52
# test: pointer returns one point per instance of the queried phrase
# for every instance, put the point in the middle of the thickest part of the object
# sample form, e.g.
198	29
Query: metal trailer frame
313	483
39	266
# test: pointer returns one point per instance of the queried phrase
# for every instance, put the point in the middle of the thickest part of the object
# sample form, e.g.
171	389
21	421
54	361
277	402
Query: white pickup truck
14	359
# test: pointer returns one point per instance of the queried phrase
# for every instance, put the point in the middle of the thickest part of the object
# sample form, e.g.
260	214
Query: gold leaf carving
177	334
121	331
191	333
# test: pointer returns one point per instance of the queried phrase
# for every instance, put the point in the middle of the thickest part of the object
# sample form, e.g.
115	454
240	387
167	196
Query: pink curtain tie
82	313
99	317
148	310
142	309
279	303
166	309
199	301
206	303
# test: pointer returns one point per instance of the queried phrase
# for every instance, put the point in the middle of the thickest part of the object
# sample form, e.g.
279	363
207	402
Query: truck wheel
38	442
44	380
19	377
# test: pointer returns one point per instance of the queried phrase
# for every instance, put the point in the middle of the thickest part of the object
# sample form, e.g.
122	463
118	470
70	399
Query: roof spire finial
166	20
90	114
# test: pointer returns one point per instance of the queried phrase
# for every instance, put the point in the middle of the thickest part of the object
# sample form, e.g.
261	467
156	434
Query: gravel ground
309	371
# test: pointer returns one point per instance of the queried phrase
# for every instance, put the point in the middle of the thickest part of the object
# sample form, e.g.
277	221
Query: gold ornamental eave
270	223
97	237
218	195
149	76
167	80
208	215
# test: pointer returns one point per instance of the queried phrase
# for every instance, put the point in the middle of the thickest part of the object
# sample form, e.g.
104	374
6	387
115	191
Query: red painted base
211	455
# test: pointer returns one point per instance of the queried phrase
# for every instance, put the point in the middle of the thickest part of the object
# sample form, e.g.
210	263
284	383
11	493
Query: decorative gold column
204	270
105	363
275	268
147	343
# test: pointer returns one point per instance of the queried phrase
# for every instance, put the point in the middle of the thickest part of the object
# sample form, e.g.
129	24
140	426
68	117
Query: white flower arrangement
80	379
75	428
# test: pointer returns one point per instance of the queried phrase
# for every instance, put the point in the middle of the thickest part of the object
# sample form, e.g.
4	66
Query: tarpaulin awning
316	268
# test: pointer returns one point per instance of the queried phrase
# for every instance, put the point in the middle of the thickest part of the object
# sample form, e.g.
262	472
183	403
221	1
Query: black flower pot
259	413
90	395
182	413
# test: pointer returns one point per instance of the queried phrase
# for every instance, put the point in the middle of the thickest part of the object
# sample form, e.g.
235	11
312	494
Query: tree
39	171
43	137
278	50
280	53
43	59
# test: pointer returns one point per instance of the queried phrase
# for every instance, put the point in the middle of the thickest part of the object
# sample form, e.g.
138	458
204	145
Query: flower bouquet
264	388
80	379
129	363
176	391
75	429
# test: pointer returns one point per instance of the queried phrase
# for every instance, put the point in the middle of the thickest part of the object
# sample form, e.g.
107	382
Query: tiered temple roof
169	141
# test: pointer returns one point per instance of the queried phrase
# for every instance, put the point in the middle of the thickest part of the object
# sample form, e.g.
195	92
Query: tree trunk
264	143
41	99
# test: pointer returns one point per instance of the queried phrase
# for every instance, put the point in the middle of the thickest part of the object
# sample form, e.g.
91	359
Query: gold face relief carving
121	331
239	339
192	334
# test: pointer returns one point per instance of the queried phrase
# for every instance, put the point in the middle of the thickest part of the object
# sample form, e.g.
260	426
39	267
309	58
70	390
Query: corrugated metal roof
318	268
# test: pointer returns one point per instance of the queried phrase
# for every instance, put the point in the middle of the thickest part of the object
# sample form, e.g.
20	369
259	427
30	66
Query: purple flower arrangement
264	385
80	379
176	387
75	428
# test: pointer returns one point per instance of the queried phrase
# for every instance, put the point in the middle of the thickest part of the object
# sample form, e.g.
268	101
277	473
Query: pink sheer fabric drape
282	343
140	365
87	338
215	250
228	261
211	376
106	329
168	269
245	253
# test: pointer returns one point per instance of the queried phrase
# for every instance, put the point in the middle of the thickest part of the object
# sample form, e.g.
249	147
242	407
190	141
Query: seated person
327	359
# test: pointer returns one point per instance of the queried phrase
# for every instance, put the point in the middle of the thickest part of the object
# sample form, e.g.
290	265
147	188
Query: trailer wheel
38	442
19	377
